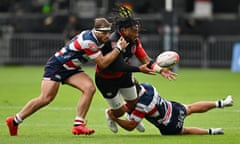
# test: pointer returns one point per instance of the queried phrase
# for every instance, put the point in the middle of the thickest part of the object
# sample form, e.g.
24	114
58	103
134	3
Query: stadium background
204	31
32	30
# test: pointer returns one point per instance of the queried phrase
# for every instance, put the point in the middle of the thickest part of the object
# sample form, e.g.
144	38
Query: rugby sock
210	131
17	120
228	101
219	104
215	131
78	121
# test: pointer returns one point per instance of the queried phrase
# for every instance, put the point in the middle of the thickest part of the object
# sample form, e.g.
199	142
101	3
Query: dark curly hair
123	17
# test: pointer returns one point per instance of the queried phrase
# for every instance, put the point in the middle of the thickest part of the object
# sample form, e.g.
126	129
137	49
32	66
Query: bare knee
92	89
89	88
188	109
45	100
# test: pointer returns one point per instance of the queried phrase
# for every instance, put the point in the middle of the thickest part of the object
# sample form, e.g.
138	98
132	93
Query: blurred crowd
32	6
56	16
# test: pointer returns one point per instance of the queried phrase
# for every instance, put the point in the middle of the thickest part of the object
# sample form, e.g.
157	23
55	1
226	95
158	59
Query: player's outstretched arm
168	74
126	124
165	72
119	65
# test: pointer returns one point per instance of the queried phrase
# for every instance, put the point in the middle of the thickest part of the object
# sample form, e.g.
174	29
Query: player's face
132	32
103	37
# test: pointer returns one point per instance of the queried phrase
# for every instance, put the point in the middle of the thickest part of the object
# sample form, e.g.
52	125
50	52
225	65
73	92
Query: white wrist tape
156	68
118	45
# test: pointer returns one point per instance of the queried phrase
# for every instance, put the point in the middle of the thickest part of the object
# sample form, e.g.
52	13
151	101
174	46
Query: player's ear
123	30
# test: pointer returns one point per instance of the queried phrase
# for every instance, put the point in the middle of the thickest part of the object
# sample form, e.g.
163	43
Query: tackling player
65	67
167	116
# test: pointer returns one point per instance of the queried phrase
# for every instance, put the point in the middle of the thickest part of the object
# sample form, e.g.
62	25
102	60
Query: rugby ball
167	59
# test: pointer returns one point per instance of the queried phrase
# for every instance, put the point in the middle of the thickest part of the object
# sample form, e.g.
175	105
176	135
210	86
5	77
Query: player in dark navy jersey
65	67
116	80
167	116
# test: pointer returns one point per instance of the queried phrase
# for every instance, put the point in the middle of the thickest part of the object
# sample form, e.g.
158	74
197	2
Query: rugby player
167	116
65	67
116	80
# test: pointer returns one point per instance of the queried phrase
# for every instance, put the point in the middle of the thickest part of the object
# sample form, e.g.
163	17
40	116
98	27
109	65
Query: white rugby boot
111	124
216	131
228	101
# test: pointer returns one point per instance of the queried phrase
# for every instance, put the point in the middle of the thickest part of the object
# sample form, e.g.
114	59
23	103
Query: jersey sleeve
146	103
119	65
140	52
90	48
137	114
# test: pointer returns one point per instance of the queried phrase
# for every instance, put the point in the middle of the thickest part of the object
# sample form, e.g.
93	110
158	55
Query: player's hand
144	69
122	43
168	74
111	115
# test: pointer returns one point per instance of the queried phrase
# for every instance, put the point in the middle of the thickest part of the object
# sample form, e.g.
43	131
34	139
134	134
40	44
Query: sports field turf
52	124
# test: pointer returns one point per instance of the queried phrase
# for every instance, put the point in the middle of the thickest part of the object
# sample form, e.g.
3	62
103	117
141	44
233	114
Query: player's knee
188	109
45	100
88	87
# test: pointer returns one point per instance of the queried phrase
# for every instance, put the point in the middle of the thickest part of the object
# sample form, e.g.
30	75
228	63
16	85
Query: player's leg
199	107
109	90
85	84
118	109
204	106
117	105
200	131
194	130
48	92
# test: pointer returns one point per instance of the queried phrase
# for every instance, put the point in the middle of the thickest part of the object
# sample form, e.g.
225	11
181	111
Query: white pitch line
48	108
74	108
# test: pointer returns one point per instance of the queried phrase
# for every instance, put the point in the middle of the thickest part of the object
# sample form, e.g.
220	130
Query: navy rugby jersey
152	106
79	50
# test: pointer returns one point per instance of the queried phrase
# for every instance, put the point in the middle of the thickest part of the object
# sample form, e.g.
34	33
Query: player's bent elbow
130	128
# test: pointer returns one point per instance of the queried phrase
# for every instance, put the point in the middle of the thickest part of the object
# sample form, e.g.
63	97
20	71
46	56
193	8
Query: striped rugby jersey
152	106
79	50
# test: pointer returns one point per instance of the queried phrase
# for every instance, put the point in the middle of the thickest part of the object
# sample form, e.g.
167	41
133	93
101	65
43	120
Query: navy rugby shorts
176	122
55	71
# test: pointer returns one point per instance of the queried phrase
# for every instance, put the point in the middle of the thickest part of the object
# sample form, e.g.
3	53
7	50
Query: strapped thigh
129	93
115	102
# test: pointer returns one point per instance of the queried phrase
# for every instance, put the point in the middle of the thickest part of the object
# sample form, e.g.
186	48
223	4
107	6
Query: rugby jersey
79	50
152	106
133	48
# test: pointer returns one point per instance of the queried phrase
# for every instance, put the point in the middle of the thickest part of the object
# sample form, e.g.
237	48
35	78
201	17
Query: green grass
52	124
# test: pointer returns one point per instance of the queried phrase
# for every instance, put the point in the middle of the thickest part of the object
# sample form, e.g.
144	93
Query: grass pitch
52	124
